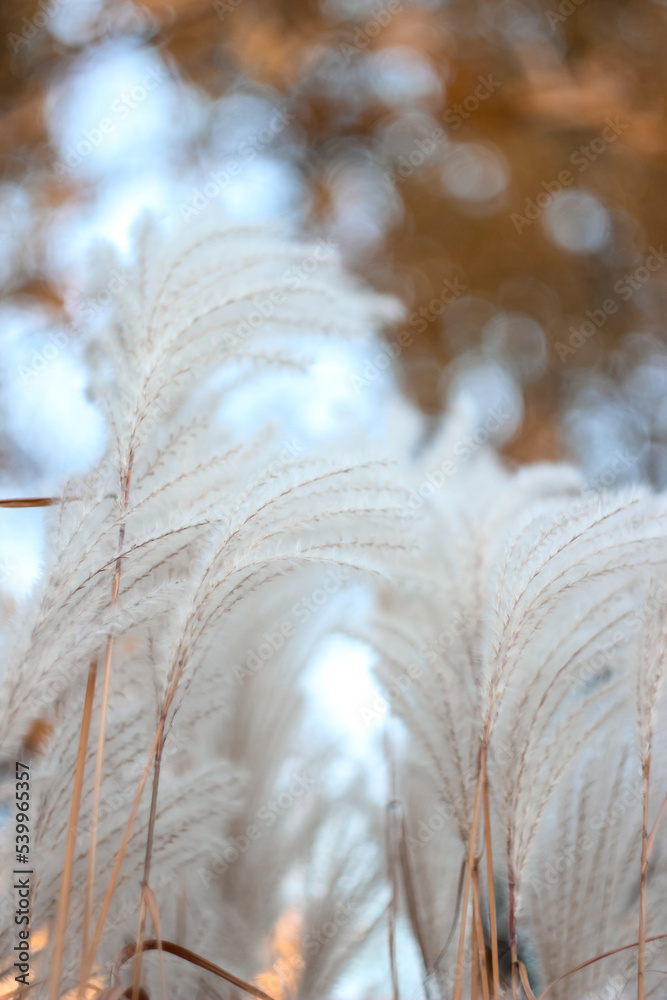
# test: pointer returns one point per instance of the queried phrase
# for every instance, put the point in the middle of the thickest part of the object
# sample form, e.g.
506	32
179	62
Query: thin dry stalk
97	791
525	982
641	953
474	965
474	827
99	760
136	972
195	959
89	958
598	958
151	902
63	901
512	930
493	925
477	924
139	948
31	502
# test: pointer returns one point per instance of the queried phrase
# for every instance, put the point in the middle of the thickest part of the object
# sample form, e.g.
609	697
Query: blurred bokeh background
499	165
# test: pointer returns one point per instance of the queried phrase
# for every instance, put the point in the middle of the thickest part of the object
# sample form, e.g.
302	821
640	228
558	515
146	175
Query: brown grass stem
525	982
66	886
598	958
99	759
189	956
512	933
493	920
32	501
145	883
479	932
89	959
474	965
641	950
472	840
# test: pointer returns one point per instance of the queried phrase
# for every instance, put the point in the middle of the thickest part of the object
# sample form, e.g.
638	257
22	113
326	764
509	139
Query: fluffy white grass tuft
515	673
167	564
180	796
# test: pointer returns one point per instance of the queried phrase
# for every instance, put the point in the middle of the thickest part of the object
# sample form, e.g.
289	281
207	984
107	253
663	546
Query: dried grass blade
153	909
477	924
474	965
525	982
139	949
598	958
641	954
474	826
190	956
493	925
32	501
63	901
97	794
97	787
106	902
136	979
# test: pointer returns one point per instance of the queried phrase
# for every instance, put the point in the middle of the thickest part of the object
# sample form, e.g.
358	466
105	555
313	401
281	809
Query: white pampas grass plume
510	671
164	563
